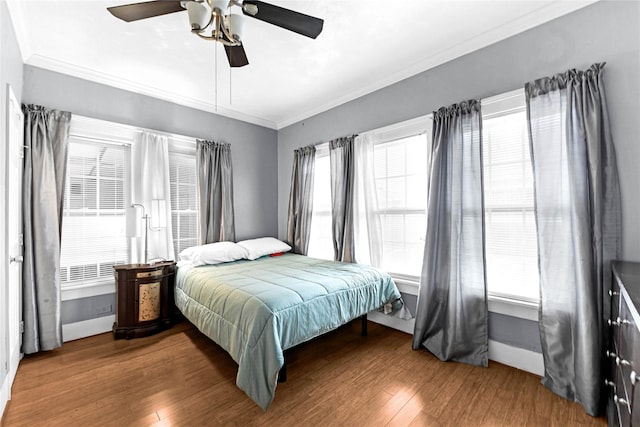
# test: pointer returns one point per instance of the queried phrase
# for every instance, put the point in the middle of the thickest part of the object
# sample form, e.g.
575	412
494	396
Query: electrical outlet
104	309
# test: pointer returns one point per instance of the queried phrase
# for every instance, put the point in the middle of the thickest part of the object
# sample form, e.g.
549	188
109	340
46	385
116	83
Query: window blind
94	225
184	200
320	236
400	168
510	228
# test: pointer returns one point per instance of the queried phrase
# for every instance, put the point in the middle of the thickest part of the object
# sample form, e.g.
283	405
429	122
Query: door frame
10	357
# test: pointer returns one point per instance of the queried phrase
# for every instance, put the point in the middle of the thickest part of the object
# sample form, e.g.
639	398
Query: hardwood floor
181	378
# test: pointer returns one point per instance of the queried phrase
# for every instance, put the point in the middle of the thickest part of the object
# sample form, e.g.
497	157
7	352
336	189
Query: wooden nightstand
144	298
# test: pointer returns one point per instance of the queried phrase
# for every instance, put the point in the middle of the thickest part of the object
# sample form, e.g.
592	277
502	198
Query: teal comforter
257	309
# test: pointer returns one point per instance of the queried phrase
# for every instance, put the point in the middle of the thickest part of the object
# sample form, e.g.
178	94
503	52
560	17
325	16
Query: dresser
624	346
144	298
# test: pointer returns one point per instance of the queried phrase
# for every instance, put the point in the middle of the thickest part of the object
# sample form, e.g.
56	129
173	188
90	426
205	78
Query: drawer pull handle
620	400
611	354
613	322
613	293
622	362
634	377
620	321
609	383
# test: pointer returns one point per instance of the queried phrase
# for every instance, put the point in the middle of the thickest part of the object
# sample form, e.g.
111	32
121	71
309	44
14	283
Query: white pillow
263	246
213	253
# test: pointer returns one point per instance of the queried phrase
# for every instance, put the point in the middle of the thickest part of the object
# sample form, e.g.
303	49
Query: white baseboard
392	321
86	328
5	394
515	357
520	358
5	388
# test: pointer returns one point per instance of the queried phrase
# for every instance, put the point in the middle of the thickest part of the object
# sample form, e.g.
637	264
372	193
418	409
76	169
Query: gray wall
253	152
10	74
605	31
253	148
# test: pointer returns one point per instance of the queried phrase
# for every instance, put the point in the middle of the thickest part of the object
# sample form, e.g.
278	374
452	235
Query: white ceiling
365	45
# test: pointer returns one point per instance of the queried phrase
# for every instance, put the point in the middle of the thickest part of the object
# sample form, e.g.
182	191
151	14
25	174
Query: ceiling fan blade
236	56
285	18
149	9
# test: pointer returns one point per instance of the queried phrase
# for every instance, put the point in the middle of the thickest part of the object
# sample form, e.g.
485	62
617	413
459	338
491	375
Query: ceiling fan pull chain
215	75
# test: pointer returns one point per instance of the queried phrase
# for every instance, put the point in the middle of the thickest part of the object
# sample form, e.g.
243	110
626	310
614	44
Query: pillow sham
257	248
213	253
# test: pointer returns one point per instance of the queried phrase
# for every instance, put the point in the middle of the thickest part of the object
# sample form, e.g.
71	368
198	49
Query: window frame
86	129
106	131
322	152
493	107
184	147
422	125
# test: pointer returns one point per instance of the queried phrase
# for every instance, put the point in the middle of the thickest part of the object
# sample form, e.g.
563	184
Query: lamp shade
236	25
133	222
220	5
158	214
199	15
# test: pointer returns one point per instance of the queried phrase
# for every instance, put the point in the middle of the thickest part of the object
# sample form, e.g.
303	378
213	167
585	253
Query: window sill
512	307
87	290
497	304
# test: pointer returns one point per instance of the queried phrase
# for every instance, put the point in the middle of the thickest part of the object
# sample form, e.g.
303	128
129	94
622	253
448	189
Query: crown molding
51	64
473	43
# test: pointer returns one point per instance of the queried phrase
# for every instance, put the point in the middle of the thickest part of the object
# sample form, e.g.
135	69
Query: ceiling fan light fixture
236	25
250	9
219	6
199	15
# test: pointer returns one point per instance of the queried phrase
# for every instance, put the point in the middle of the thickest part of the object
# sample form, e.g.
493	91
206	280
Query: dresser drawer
628	346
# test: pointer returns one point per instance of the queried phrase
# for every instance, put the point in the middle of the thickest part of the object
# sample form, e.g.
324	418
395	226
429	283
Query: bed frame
282	375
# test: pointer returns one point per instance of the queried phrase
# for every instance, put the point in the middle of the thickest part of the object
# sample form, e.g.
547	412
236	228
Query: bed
256	309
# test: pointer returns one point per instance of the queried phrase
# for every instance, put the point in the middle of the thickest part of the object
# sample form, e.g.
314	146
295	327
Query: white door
14	231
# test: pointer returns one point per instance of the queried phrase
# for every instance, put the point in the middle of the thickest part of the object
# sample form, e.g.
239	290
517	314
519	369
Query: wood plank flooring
181	378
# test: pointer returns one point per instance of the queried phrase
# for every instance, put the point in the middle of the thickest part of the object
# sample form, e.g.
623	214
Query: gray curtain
215	192
452	313
577	199
301	199
341	158
46	135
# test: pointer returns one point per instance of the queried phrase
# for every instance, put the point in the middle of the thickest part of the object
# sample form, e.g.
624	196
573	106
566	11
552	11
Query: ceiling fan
223	27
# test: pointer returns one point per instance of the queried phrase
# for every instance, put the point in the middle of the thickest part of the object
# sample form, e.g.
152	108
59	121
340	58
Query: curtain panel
341	158
452	312
301	199
578	214
367	224
151	189
215	192
46	136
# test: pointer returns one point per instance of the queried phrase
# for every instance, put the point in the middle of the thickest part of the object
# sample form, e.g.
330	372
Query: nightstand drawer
144	274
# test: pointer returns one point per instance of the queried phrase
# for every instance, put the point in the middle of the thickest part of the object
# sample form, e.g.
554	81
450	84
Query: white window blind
510	228
320	237
401	186
95	200
184	197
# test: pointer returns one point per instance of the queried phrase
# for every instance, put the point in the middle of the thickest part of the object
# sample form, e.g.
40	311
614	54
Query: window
400	167
95	201
184	198
98	194
401	186
510	228
321	237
